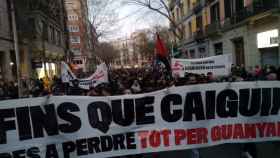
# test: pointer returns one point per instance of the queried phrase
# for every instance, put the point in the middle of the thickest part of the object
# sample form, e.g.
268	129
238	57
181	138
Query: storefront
51	69
268	45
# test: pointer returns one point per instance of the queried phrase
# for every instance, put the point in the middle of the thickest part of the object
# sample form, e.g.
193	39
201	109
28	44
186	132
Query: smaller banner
218	65
100	76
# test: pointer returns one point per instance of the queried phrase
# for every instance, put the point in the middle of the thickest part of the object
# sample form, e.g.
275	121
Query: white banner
172	119
218	65
100	76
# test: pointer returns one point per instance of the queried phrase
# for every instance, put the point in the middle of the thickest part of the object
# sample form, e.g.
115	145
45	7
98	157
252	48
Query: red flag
160	47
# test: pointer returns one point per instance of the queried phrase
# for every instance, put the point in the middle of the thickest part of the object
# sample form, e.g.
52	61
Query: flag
160	47
161	54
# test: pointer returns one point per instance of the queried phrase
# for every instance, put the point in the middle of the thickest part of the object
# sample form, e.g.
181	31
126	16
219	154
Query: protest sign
218	65
98	77
172	119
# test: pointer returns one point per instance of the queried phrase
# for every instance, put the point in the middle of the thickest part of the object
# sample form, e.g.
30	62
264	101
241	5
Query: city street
139	78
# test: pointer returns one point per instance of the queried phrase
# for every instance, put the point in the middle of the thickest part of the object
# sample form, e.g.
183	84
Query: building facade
135	50
81	34
143	48
42	37
126	54
247	29
7	65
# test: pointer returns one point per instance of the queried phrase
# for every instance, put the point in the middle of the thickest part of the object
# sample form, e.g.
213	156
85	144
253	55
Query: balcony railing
213	28
198	35
255	8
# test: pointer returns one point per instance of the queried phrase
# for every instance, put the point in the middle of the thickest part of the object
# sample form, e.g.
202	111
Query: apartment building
80	34
247	29
6	44
126	56
42	38
135	50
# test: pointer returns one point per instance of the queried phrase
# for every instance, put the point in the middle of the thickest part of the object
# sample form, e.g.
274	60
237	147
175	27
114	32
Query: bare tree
144	42
107	53
160	7
104	17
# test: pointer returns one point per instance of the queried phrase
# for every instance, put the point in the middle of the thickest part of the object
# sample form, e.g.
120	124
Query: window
76	51
202	53
75	39
73	28
218	48
199	25
77	62
228	9
190	29
188	5
45	31
239	5
69	5
192	53
215	12
182	9
57	37
31	22
52	35
73	17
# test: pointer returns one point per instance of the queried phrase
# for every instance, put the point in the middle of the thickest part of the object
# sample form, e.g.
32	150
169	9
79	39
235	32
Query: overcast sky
132	18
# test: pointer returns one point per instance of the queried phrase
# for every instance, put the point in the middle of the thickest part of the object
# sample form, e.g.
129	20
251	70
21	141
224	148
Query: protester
12	90
93	92
136	81
2	90
75	90
136	88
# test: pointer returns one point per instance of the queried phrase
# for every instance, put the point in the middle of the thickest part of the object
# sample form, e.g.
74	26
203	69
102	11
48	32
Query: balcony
187	40
213	29
254	9
197	8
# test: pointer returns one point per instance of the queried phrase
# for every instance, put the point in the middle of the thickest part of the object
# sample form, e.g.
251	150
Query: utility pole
16	46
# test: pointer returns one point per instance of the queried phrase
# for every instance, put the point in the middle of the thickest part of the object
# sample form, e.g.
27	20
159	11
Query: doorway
239	51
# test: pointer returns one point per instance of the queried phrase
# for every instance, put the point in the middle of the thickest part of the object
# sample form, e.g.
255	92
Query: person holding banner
75	90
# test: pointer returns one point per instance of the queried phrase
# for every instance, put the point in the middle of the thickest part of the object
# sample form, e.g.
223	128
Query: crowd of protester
135	81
